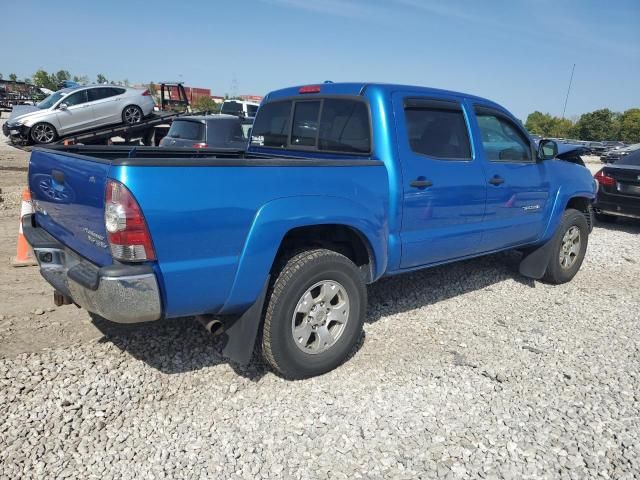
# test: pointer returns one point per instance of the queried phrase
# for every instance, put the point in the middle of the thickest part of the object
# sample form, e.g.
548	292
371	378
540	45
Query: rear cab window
332	125
187	129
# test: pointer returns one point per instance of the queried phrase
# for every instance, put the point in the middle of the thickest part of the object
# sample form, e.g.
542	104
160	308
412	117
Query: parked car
596	148
613	156
240	108
619	189
210	131
72	110
342	184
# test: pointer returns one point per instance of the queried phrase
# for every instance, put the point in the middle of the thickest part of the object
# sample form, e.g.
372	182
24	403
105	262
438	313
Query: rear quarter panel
216	230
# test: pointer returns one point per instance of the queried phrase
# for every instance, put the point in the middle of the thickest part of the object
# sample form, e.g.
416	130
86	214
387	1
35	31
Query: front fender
277	217
560	205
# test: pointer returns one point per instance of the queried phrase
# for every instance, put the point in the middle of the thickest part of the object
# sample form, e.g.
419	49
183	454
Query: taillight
604	179
200	145
146	93
310	89
127	230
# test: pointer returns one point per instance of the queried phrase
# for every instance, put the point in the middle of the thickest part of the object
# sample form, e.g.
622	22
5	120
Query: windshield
50	101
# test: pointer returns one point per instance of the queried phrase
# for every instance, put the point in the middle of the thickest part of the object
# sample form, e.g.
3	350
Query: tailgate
68	193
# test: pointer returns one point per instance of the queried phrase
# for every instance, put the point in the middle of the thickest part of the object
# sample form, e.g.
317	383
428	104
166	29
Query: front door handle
496	180
421	183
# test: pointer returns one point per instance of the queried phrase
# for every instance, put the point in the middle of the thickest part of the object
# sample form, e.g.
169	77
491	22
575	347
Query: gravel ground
465	371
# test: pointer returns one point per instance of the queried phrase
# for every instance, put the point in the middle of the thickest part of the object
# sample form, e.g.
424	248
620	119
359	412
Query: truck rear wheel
569	247
315	314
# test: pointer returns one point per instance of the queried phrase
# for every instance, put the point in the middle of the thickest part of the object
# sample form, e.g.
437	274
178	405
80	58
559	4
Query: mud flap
240	335
534	262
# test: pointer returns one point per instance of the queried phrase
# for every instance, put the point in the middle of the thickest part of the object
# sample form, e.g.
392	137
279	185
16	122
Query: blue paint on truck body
216	229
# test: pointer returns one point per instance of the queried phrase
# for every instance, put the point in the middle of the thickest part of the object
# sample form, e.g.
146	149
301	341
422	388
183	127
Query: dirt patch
29	321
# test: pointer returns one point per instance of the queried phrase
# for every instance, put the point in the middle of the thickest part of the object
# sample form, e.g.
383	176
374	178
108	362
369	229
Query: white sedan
72	110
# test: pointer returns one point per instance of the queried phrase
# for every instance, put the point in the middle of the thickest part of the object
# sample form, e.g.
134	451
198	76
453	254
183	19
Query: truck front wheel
315	314
568	248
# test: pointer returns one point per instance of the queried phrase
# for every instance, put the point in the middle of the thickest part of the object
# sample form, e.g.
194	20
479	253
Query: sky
518	53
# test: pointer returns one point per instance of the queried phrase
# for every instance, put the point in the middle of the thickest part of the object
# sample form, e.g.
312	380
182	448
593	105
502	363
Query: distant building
251	98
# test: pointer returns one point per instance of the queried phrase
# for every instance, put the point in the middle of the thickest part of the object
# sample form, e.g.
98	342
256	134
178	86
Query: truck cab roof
360	88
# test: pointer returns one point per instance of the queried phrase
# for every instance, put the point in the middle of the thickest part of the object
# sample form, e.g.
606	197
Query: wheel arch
292	223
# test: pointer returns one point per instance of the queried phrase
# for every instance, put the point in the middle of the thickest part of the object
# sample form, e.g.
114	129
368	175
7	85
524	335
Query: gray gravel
465	371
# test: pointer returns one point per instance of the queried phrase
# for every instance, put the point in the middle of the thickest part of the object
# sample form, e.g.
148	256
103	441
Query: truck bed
216	217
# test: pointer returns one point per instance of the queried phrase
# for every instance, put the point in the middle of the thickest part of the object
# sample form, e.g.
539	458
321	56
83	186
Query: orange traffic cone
24	253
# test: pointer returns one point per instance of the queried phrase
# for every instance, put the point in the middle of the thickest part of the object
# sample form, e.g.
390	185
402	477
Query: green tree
62	75
13	77
26	80
42	79
630	126
82	79
546	125
101	78
598	125
205	104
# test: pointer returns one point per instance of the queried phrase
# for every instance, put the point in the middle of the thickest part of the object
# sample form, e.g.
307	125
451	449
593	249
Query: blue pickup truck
341	185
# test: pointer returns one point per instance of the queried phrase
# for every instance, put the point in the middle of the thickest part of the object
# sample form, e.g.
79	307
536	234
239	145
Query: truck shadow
173	346
182	345
409	291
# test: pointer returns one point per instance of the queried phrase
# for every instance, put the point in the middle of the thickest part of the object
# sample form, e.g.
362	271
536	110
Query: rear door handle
421	182
496	180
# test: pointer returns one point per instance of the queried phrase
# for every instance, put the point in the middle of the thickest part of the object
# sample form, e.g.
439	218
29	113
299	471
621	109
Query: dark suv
208	131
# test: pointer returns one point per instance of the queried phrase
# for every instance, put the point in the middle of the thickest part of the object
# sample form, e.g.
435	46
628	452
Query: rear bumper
120	293
620	205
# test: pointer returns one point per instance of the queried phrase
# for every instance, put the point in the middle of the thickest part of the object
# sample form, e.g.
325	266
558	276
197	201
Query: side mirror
547	149
62	106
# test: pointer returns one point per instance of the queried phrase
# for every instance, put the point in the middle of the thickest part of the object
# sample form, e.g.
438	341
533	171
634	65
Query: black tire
132	114
555	272
43	133
604	218
297	275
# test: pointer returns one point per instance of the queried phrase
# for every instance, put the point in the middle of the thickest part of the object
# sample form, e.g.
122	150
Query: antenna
234	87
568	90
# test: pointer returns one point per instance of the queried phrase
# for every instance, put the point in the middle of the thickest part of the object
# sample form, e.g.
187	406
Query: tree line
598	125
44	79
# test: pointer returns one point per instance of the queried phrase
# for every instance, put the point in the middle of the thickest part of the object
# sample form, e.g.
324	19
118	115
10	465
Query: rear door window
437	129
103	92
187	130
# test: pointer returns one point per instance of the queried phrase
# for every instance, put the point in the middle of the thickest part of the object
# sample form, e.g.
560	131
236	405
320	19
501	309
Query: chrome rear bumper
120	293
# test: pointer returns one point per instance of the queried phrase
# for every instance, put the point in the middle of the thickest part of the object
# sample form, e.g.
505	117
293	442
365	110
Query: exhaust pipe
212	325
